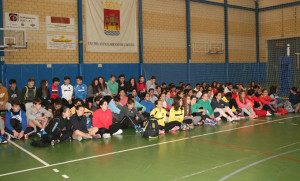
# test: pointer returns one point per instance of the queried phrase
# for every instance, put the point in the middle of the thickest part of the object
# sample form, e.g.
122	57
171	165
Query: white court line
55	170
255	163
287	145
219	166
137	148
29	153
65	176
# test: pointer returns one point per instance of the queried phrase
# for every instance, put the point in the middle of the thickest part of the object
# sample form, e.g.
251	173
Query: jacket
141	86
244	104
218	104
3	95
14	94
176	115
233	109
90	92
102	119
39	94
21	116
31	115
28	94
80	91
130	88
59	91
205	105
78	123
113	87
266	100
130	113
160	115
294	98
149	106
113	107
67	91
122	87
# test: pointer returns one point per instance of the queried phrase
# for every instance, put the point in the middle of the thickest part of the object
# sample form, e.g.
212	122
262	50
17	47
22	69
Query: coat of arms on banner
111	21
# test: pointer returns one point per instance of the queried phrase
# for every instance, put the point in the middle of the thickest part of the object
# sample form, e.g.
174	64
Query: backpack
288	106
52	128
53	133
151	128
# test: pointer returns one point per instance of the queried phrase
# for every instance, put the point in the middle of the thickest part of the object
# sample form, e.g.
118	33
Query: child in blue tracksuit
16	123
80	89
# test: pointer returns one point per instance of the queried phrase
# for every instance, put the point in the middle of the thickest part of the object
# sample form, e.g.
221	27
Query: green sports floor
262	149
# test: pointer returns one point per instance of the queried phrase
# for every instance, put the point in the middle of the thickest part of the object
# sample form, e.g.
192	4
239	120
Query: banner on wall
61	42
63	24
111	26
22	21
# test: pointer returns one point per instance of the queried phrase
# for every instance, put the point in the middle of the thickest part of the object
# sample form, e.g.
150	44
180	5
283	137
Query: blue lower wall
208	72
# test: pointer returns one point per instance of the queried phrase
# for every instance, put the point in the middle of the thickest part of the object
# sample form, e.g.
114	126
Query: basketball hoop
10	48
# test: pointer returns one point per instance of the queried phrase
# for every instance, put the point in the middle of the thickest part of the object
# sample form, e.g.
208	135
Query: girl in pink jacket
245	105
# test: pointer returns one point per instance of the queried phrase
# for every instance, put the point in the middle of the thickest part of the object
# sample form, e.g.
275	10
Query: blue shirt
113	107
80	91
149	106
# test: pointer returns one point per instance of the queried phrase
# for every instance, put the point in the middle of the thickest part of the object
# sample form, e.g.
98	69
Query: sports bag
151	128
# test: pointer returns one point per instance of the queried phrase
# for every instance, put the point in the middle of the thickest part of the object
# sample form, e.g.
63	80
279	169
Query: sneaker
213	123
183	127
54	142
200	123
161	131
106	135
188	127
253	116
192	126
207	122
79	138
25	136
97	136
229	119
241	116
174	129
41	133
138	129
120	131
3	139
218	119
268	114
177	127
235	118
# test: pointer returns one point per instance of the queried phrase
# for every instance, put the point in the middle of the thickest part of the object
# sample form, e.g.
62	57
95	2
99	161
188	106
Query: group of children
63	112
